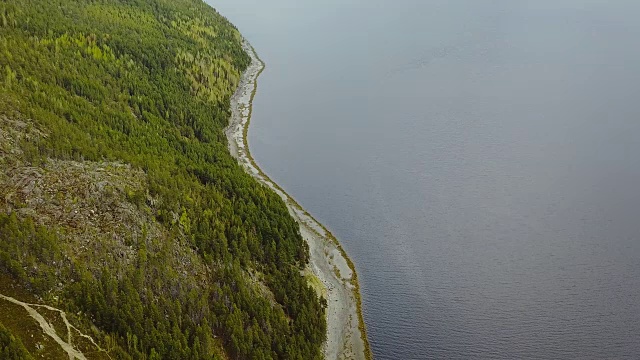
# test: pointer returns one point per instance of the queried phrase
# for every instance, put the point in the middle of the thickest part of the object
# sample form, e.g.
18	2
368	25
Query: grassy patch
315	283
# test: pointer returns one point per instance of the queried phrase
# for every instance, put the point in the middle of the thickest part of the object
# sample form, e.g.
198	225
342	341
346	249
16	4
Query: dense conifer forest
119	201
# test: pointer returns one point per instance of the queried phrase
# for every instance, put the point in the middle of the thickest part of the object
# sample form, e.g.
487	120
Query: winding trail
49	330
346	333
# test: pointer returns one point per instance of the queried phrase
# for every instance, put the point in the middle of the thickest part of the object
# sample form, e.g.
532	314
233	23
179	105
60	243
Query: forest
119	200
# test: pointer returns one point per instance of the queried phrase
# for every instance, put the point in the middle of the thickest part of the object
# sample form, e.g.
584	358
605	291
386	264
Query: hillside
119	201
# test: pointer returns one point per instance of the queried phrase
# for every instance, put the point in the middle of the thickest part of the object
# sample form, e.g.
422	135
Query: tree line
148	83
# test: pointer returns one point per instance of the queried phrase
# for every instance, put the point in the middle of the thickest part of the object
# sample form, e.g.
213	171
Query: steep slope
119	202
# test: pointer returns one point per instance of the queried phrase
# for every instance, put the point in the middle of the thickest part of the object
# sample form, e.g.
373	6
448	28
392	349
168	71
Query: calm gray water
479	160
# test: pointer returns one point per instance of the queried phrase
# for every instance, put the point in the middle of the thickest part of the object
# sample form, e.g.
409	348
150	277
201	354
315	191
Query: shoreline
329	263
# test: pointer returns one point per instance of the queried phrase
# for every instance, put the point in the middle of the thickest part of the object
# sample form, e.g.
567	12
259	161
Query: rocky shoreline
346	334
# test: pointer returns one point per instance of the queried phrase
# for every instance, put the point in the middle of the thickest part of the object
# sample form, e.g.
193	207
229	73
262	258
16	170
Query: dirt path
49	330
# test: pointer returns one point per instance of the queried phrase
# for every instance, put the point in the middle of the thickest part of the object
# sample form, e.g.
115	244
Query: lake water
479	161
